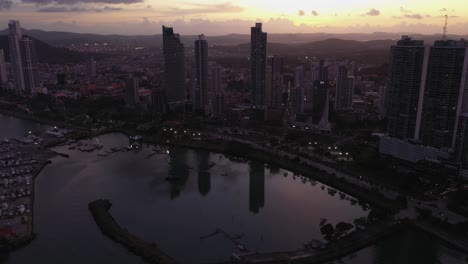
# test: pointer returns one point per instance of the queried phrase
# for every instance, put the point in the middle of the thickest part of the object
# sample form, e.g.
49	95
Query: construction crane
444	36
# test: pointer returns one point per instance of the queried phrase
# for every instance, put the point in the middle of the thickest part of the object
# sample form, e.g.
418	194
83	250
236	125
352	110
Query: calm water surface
268	210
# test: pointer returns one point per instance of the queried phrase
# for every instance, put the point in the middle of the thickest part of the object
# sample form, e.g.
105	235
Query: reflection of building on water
179	171
256	187
204	177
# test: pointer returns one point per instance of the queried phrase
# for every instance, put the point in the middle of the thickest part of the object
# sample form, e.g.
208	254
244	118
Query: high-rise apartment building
297	94
132	97
320	105
3	73
445	95
427	101
200	93
258	63
14	37
29	65
405	88
344	90
276	92
174	67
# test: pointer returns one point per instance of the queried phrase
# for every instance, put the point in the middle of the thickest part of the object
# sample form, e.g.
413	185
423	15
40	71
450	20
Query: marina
236	202
211	190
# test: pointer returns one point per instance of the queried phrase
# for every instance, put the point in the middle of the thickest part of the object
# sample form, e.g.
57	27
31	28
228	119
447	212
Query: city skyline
194	144
130	17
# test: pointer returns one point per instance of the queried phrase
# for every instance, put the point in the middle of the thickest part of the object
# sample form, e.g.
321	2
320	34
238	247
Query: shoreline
245	151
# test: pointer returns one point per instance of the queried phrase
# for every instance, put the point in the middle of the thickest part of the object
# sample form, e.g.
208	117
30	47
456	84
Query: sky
220	17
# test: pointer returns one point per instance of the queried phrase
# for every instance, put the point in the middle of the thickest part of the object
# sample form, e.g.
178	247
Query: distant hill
57	38
46	53
375	51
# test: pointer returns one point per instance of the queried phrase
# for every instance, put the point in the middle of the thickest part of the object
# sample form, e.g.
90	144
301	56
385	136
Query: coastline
245	151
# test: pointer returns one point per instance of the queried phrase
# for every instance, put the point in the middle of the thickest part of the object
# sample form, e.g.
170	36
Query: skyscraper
216	79
29	64
405	88
132	97
445	95
320	105
14	37
200	98
90	66
276	97
3	74
258	61
217	91
160	101
297	94
174	67
322	71
344	90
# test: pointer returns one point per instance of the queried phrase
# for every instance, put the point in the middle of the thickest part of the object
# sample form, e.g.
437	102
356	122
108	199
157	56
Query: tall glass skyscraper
29	63
14	37
174	67
405	88
200	94
444	93
3	74
258	63
344	90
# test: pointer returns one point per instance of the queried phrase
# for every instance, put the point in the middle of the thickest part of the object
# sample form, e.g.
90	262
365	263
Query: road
413	204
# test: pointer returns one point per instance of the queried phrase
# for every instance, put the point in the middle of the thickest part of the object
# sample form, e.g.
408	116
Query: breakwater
148	251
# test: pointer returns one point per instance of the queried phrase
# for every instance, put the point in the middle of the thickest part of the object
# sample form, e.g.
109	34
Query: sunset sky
223	17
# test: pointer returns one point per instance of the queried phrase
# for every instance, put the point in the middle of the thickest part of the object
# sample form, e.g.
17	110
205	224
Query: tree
361	221
327	230
343	227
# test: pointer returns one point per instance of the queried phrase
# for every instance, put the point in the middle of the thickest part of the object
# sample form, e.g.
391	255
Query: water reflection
179	171
204	176
256	186
406	247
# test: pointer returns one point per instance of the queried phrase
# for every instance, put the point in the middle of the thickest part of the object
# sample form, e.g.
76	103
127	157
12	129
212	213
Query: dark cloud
110	8
54	9
373	12
414	16
315	13
301	12
5	4
72	2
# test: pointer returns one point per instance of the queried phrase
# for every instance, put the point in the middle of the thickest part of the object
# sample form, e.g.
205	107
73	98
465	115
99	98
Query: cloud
404	10
54	9
301	12
372	12
152	25
73	2
110	8
414	16
315	13
5	4
192	9
443	9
